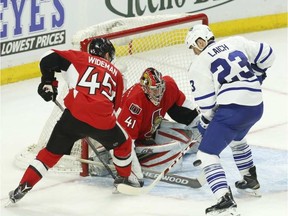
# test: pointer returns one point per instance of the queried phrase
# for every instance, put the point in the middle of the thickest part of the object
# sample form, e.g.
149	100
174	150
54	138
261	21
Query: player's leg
243	155
61	142
244	161
215	139
220	132
119	143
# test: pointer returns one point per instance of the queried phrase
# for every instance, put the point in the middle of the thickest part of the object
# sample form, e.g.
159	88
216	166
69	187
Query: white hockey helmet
198	31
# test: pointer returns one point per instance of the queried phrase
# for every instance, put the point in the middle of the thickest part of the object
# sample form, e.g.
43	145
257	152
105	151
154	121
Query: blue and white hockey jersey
226	73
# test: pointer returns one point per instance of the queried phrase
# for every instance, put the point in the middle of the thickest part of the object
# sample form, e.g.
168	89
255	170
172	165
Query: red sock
122	158
44	160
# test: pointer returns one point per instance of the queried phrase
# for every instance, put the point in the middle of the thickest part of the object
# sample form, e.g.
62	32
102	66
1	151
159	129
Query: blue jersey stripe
207	107
259	53
270	52
205	96
239	88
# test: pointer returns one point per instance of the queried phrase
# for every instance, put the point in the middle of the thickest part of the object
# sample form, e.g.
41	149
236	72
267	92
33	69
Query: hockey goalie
157	141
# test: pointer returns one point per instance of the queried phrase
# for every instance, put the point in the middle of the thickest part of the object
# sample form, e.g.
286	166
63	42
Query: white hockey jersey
223	73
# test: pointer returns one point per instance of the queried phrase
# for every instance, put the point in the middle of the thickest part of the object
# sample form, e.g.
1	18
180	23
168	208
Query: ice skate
132	180
226	206
18	193
249	185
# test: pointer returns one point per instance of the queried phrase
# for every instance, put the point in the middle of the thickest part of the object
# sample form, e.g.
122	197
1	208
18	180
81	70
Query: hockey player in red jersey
143	108
95	92
157	141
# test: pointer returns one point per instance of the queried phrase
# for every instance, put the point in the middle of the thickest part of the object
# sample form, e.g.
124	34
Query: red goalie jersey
140	117
95	88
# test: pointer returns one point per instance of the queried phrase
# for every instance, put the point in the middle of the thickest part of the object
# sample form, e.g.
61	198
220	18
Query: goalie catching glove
47	89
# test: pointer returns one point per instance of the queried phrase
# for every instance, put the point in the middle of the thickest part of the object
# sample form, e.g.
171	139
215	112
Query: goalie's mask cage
153	85
101	46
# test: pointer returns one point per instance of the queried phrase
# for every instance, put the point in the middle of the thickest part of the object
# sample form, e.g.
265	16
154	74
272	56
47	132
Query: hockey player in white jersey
226	79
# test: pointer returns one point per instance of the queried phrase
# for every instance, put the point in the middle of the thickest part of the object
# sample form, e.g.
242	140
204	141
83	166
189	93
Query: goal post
147	28
140	42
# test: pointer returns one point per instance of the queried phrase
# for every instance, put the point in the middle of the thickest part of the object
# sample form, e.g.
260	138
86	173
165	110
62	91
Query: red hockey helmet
153	85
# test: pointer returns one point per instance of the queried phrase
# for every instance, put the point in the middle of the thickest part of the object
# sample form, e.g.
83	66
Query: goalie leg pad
157	157
136	168
173	131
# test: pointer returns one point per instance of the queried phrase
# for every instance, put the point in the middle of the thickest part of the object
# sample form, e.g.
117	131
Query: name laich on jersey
218	49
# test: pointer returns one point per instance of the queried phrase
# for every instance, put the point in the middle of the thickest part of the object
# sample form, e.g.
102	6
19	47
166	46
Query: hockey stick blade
168	178
129	190
174	179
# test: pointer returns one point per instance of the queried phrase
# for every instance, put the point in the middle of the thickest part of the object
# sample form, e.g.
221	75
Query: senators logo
135	109
155	122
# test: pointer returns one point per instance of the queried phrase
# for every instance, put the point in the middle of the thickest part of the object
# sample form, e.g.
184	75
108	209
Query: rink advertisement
30	28
140	8
32	43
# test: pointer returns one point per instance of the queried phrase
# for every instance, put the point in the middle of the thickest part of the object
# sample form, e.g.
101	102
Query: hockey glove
260	73
48	89
202	125
193	127
261	78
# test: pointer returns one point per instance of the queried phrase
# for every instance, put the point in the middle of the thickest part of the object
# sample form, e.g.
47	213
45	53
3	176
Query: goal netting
140	42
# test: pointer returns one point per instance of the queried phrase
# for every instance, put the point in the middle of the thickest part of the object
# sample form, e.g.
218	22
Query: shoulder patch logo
135	109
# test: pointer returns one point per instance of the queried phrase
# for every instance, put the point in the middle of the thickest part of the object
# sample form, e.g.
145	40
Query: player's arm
182	114
50	63
260	55
204	89
183	110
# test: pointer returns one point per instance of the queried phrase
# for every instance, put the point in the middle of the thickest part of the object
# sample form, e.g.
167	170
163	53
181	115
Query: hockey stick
169	178
91	145
127	189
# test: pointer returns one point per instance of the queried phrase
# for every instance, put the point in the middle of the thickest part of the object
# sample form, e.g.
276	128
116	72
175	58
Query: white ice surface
23	115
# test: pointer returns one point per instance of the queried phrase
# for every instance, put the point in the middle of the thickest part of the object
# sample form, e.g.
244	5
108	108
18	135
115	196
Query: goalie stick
91	145
129	190
169	178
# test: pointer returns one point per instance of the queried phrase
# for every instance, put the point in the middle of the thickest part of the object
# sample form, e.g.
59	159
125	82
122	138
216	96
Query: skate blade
250	192
8	204
115	191
226	212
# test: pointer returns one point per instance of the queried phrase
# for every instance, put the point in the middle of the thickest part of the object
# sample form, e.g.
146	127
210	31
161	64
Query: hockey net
140	42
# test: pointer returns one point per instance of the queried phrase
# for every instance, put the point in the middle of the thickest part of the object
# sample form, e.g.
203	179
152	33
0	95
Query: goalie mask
101	46
196	32
153	85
